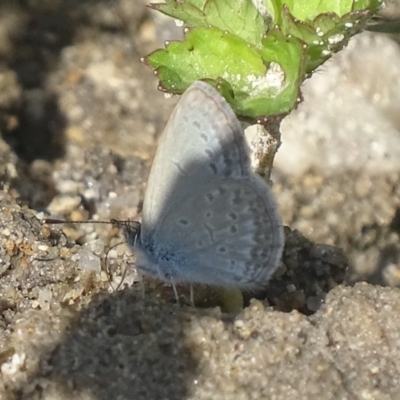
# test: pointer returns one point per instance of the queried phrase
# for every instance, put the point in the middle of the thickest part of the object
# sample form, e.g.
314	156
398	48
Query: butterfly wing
202	139
206	216
226	234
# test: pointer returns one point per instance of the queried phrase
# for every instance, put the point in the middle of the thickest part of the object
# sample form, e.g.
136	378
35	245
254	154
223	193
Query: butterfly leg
191	295
175	290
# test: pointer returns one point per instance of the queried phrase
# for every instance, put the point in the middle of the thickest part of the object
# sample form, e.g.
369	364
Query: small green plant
257	53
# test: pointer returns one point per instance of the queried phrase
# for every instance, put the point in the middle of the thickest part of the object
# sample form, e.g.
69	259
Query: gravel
79	122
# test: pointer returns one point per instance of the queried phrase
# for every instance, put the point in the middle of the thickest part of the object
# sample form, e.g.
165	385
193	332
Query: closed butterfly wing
229	234
207	217
202	139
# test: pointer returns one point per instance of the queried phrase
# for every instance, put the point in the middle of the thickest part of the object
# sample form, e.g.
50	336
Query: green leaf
256	52
279	87
238	17
264	82
325	35
205	53
190	12
308	10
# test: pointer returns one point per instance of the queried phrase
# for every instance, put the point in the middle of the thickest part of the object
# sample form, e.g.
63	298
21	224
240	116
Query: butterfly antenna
130	228
54	221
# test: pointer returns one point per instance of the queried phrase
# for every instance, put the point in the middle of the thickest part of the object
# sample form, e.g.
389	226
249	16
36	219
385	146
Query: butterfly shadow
124	347
307	273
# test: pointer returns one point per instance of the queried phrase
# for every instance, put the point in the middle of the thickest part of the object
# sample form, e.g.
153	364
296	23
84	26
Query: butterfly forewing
203	139
207	217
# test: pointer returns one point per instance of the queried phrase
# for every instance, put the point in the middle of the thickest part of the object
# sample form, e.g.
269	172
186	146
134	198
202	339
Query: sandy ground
79	121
